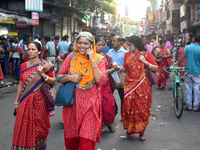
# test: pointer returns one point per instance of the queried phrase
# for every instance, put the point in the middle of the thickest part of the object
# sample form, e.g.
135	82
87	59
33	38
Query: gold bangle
95	67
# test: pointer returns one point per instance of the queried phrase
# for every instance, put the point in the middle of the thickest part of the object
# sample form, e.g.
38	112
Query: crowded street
164	132
99	74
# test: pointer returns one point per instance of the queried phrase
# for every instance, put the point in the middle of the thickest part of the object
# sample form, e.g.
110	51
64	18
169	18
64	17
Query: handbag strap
65	74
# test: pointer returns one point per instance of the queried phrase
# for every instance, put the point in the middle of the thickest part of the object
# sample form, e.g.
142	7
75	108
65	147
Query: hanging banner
150	15
35	18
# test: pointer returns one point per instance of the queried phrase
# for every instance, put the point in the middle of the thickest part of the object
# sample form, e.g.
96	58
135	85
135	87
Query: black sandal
111	128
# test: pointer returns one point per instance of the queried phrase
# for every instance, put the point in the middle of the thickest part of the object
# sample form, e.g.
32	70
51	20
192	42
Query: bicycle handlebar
174	69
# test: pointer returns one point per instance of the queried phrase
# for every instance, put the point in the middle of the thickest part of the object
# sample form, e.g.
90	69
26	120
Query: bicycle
177	90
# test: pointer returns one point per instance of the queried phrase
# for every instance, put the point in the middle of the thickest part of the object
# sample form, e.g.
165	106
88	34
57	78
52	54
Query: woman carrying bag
32	124
82	120
137	88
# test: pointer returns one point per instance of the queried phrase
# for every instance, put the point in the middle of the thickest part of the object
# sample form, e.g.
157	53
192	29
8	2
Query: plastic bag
116	77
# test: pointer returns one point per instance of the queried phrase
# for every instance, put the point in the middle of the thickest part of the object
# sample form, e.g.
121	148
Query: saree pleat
137	104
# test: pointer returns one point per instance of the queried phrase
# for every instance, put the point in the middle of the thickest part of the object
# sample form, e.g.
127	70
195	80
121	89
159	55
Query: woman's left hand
142	59
90	53
40	69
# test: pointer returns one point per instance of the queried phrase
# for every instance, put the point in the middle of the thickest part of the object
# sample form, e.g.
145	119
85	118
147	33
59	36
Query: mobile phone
15	112
87	54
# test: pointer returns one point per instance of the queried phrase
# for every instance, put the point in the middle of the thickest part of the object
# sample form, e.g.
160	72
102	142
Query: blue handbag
66	92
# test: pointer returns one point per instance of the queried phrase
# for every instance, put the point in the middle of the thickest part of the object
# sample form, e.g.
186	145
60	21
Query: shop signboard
177	1
192	13
150	16
35	18
157	16
177	6
12	33
164	16
56	20
176	19
10	21
168	25
21	25
183	25
45	14
150	23
160	15
171	5
132	22
34	5
198	11
182	10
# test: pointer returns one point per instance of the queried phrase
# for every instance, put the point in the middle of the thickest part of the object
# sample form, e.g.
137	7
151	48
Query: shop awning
5	17
85	16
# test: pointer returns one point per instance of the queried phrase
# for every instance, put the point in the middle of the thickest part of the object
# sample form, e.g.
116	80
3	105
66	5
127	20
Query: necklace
34	63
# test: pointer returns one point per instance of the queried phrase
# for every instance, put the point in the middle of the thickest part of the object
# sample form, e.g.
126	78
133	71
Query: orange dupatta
80	64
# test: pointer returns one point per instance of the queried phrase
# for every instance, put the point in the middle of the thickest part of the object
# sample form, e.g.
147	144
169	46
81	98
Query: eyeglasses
130	44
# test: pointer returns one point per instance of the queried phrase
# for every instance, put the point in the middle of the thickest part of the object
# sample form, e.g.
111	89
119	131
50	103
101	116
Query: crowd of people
90	62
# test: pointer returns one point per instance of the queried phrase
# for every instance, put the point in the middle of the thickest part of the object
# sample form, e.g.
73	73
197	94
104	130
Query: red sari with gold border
32	122
138	94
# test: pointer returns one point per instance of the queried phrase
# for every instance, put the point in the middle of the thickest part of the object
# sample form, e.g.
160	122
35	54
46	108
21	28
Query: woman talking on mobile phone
82	120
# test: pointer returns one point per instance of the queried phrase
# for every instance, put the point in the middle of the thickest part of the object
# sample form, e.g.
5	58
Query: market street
164	132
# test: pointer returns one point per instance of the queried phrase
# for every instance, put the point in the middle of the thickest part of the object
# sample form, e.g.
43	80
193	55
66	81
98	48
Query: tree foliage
95	6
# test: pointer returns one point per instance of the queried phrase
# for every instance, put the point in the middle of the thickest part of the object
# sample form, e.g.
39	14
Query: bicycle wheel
178	101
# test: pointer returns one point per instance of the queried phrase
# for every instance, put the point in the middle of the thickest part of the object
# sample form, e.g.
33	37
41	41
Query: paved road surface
165	133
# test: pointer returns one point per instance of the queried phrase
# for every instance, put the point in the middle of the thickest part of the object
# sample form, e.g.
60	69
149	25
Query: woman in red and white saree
137	89
32	122
163	57
82	120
